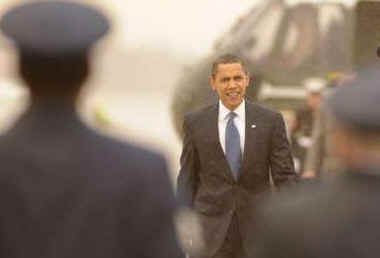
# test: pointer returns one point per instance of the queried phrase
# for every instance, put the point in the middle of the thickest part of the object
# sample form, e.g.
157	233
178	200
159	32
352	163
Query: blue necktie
233	151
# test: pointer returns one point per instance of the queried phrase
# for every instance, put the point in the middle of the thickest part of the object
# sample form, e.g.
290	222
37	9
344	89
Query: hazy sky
186	27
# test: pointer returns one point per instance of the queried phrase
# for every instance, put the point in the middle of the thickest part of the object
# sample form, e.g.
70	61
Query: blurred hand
189	231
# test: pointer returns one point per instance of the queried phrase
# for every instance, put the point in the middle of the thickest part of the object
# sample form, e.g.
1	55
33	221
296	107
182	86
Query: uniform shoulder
307	199
126	151
126	163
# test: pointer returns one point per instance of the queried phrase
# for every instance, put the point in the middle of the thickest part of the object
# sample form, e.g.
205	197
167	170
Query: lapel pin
253	126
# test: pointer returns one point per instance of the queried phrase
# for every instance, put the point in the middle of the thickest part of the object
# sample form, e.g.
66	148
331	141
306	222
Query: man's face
230	82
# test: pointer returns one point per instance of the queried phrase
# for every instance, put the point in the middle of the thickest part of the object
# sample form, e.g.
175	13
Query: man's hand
189	231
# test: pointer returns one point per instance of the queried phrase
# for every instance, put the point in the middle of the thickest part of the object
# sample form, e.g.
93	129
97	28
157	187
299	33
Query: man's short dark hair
228	59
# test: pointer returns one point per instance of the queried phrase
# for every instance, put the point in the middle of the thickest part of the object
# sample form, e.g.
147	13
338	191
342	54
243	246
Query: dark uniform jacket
67	191
337	217
206	183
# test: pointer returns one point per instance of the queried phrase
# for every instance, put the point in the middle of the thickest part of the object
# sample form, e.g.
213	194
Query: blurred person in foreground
67	191
230	150
338	216
301	128
318	160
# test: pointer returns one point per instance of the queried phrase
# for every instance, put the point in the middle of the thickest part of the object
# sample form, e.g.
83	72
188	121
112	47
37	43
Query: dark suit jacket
205	182
337	217
67	191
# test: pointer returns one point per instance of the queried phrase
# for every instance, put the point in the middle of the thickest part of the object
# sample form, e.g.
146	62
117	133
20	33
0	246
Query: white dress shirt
239	121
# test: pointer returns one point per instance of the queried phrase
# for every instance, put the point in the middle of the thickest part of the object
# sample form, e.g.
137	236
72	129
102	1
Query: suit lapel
250	142
211	134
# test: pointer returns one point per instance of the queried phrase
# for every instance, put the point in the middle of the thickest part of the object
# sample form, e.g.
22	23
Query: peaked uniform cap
54	28
356	104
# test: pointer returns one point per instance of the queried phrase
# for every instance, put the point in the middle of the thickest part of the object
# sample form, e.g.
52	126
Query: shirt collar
223	111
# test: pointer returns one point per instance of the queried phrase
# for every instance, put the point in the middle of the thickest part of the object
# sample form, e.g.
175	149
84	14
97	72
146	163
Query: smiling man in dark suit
230	151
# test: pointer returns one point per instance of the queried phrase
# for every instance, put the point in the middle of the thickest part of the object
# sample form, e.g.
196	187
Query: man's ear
211	81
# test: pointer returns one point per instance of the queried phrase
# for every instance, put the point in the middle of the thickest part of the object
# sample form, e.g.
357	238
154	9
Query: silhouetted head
54	39
355	128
